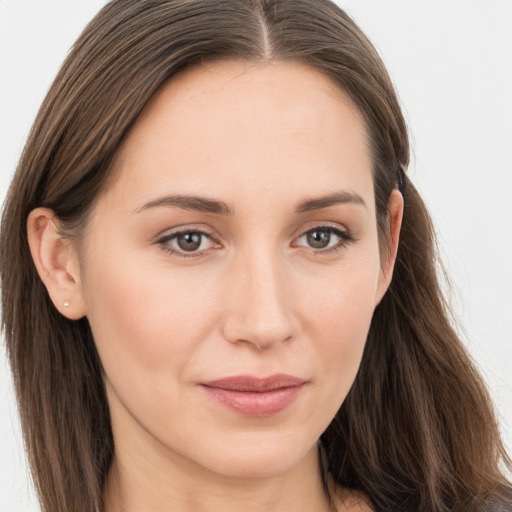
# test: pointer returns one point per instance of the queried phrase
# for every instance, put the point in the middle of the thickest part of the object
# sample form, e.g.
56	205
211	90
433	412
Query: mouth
255	396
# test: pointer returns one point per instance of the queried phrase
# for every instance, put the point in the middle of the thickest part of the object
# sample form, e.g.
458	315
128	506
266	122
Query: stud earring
66	304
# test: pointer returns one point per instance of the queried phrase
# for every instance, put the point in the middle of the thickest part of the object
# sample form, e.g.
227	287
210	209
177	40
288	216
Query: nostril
247	330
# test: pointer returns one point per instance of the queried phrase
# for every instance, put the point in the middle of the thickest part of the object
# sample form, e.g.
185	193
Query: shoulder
347	500
352	502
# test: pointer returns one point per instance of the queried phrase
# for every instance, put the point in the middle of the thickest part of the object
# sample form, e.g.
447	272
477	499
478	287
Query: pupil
189	241
319	239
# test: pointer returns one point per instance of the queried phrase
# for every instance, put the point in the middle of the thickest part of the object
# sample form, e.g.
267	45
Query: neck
138	485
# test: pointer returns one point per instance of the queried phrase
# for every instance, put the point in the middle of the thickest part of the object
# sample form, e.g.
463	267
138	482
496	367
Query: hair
417	427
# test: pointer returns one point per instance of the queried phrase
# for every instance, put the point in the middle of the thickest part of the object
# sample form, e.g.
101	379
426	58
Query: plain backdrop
452	65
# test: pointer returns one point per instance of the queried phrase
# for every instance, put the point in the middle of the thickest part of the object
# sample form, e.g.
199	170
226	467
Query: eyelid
345	235
163	239
198	227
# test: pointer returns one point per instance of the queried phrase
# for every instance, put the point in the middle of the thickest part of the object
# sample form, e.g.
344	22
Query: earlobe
396	212
56	262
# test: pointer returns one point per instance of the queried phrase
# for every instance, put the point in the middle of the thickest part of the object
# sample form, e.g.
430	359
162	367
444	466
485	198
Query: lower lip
255	404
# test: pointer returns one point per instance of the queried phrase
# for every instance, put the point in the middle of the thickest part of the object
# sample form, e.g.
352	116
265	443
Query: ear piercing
66	304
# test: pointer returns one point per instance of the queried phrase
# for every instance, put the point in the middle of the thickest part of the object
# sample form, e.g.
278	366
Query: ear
56	262
395	216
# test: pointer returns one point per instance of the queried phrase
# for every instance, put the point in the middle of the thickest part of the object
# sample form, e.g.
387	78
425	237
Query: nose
259	310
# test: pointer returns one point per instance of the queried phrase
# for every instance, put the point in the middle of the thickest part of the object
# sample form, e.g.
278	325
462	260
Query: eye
325	237
187	243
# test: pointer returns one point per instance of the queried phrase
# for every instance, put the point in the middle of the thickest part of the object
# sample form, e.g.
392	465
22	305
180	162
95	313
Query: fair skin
261	279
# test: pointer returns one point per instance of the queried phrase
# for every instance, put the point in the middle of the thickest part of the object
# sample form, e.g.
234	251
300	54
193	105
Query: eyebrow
193	203
205	205
317	203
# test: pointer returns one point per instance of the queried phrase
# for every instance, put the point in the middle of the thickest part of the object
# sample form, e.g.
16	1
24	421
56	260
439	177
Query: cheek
146	320
338	320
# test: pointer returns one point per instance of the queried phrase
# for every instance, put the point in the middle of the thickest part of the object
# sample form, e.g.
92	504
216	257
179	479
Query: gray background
452	65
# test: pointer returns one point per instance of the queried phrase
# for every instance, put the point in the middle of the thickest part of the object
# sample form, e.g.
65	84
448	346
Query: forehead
253	127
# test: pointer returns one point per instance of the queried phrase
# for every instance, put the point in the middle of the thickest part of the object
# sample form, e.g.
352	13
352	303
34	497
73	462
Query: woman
224	263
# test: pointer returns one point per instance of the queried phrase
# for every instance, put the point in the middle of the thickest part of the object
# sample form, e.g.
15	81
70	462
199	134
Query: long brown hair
417	427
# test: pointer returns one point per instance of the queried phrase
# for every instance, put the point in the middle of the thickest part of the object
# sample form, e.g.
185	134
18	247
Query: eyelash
345	237
164	242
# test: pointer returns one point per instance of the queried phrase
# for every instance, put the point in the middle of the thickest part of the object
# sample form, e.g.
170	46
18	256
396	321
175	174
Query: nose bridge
260	306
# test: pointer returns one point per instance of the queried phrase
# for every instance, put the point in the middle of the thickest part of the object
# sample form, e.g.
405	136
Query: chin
263	456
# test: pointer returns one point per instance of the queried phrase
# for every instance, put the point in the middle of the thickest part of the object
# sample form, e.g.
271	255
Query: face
231	267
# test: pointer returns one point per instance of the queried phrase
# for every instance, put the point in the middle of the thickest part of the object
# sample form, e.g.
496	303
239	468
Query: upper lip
249	383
